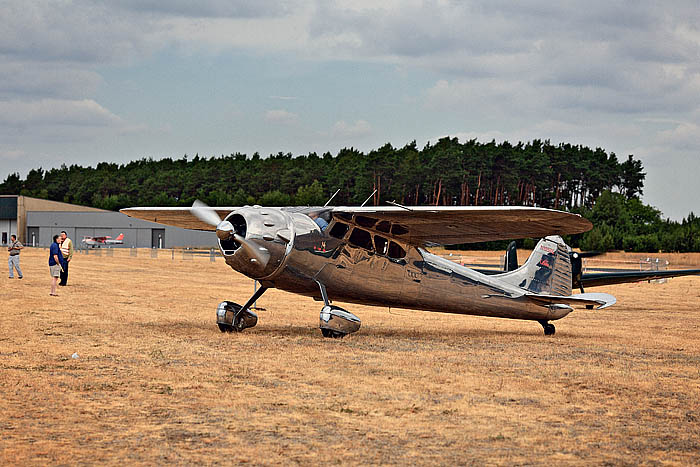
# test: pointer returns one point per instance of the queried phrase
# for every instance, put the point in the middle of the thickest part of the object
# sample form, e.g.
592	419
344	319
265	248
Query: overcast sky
88	81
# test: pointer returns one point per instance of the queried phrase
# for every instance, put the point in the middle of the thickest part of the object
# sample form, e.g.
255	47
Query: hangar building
35	222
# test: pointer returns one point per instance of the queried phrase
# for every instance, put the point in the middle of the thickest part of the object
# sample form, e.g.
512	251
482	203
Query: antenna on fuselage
331	198
368	198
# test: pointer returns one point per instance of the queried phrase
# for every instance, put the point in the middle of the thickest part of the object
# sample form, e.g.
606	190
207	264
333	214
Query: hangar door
157	238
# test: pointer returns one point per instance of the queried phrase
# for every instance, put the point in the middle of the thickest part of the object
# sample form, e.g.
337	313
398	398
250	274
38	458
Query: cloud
281	116
25	80
12	154
684	136
284	98
80	32
43	112
359	129
606	57
209	8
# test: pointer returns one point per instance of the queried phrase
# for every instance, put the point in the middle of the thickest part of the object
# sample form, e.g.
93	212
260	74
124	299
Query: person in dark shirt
55	263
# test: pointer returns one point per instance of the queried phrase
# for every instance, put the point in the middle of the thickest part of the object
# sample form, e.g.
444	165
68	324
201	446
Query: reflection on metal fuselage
301	254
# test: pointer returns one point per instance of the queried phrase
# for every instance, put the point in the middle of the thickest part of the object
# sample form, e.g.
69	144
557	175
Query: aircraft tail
546	271
510	261
120	237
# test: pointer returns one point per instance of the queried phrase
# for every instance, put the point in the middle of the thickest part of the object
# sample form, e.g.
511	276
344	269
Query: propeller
225	230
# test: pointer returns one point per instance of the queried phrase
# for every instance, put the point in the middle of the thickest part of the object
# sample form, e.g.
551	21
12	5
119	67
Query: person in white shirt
67	252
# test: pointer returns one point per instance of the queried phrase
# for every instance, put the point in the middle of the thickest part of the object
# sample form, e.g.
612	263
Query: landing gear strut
549	328
232	317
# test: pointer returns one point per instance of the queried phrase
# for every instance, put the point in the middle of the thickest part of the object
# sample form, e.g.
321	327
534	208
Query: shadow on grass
426	334
422	334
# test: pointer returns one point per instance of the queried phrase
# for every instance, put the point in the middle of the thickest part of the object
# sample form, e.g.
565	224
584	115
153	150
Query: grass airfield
156	382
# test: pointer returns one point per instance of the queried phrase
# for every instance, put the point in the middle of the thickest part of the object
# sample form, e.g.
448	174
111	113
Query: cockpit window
361	238
380	244
383	226
398	229
395	251
339	230
364	221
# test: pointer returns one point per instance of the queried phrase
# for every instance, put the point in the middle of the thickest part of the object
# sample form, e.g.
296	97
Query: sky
87	81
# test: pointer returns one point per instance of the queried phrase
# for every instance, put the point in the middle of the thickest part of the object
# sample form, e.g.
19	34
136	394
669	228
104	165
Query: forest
591	182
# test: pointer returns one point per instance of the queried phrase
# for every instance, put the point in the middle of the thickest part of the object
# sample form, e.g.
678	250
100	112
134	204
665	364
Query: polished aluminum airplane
378	256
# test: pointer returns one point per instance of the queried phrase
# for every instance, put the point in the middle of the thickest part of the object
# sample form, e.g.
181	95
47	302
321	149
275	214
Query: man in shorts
55	263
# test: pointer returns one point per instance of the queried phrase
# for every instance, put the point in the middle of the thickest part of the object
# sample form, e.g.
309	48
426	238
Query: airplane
105	240
378	256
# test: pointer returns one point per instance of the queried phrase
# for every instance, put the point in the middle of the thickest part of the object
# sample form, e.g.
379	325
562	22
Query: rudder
547	270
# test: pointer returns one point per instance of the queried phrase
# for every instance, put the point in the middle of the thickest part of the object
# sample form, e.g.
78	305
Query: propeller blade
204	213
261	256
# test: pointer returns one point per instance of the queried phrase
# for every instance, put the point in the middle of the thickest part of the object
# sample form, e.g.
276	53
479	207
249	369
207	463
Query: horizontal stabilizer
603	300
621	277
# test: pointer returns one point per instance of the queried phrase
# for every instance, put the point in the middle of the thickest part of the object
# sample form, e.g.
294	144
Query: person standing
55	260
14	248
67	253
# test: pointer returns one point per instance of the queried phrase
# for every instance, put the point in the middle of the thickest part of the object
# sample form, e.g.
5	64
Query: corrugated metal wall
137	233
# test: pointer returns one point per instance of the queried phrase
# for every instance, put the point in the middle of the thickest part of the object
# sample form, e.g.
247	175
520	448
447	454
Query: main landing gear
232	317
549	328
334	321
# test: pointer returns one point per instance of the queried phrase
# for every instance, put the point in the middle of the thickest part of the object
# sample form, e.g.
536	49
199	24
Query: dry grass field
154	381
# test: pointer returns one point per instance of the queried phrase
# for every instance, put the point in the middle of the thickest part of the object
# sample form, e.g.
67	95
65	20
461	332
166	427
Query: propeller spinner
225	230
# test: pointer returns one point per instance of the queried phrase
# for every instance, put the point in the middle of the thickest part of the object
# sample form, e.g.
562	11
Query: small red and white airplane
106	240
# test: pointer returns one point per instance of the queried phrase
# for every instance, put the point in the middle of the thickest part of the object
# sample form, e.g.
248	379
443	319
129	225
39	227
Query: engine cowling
269	231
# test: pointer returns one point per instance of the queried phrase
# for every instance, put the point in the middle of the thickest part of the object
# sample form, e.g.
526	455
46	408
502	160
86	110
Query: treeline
621	223
537	173
446	173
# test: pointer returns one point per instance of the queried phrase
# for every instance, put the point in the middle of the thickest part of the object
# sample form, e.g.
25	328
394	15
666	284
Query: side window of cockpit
339	230
361	238
380	244
395	251
383	226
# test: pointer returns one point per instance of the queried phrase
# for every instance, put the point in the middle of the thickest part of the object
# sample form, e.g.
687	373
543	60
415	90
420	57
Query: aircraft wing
176	216
450	225
422	225
621	277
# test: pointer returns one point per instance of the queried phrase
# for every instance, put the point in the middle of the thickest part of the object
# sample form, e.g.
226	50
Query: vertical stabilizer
511	259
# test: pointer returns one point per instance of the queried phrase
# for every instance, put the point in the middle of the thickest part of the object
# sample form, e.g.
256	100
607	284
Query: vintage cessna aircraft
105	240
377	256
